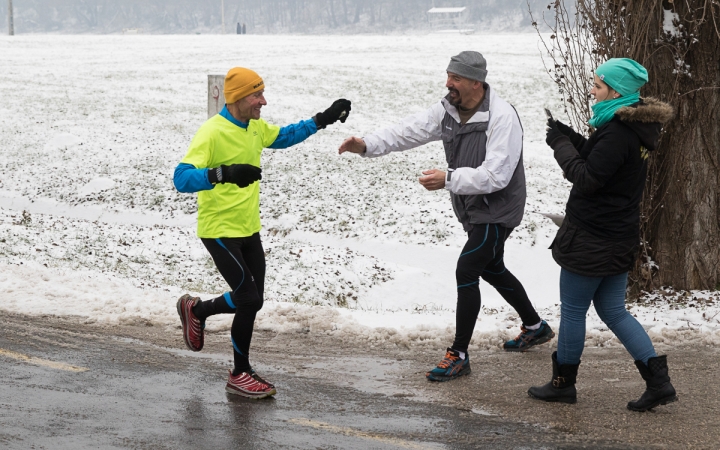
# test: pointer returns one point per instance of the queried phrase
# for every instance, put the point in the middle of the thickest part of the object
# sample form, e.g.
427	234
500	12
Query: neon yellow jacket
225	210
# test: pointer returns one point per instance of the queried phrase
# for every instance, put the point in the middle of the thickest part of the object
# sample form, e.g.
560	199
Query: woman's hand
553	133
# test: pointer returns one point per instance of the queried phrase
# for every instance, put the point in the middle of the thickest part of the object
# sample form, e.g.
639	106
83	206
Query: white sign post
222	14
11	25
216	98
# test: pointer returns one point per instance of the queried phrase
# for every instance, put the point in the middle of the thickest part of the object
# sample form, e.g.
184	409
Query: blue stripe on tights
497	237
238	263
235	346
469	284
496	273
228	300
487	228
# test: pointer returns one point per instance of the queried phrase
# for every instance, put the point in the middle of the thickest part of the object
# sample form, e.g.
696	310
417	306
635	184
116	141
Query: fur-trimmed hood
646	118
648	110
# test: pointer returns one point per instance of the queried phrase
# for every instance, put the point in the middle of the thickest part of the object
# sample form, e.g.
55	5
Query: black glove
553	133
564	129
339	110
241	174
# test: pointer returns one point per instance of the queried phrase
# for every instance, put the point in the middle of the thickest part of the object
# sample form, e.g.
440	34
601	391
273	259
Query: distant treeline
260	16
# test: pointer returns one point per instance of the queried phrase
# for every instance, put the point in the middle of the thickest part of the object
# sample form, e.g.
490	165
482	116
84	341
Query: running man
483	141
223	166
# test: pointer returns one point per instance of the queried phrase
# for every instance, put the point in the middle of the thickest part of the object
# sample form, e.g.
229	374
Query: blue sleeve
294	134
189	179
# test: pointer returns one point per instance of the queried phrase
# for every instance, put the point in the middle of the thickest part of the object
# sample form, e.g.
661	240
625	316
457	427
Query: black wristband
215	175
317	119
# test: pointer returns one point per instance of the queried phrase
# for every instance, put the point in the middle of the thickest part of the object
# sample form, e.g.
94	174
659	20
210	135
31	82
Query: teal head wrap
626	77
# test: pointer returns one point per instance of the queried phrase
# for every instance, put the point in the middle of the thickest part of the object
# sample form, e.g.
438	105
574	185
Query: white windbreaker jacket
486	177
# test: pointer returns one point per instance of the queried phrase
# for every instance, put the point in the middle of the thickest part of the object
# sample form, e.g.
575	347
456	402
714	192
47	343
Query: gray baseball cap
469	64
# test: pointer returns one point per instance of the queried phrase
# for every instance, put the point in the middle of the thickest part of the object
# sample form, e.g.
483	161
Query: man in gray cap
482	137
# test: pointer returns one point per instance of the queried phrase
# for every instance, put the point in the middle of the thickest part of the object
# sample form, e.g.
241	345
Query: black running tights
482	257
241	262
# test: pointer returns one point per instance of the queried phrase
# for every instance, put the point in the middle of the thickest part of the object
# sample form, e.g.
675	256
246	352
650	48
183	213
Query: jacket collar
226	114
482	114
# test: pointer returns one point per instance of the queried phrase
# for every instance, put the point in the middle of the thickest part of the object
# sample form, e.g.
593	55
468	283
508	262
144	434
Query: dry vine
572	56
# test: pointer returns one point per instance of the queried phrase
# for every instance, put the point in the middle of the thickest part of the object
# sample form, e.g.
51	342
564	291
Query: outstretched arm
294	134
298	132
413	131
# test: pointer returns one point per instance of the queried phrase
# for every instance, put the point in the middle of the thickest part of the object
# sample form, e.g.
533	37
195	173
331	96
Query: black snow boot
659	390
562	387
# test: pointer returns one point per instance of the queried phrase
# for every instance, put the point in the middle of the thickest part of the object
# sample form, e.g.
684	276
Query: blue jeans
608	296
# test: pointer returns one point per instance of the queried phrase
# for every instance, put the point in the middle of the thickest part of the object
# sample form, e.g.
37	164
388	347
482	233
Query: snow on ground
91	128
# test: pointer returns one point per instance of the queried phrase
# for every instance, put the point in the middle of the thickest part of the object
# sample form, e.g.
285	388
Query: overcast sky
260	17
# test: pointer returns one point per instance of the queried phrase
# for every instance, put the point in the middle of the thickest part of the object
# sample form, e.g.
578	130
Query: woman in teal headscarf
598	241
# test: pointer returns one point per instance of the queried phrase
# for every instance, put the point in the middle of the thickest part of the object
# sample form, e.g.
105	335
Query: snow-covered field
91	128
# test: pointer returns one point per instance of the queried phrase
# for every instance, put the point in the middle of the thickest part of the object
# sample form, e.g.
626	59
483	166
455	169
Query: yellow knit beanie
241	82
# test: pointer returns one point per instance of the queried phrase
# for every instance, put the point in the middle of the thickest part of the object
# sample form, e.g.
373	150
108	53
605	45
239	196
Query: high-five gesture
339	110
352	145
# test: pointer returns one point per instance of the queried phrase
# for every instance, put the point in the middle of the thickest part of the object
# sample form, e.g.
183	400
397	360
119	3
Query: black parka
600	234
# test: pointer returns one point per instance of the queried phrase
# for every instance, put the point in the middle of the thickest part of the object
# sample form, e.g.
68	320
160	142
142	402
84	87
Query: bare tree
570	55
679	43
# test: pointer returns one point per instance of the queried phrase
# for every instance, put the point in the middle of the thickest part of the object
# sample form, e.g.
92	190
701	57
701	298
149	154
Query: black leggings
482	256
241	261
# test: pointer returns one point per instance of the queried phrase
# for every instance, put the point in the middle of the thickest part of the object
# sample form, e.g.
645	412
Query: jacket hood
646	119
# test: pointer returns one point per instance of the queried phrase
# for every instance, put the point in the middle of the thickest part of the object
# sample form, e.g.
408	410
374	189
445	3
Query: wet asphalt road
89	389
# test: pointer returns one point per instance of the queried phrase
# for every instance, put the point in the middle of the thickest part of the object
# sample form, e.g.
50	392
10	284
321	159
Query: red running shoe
192	327
259	379
247	385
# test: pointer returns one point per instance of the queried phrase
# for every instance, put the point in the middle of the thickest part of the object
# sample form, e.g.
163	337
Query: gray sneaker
529	338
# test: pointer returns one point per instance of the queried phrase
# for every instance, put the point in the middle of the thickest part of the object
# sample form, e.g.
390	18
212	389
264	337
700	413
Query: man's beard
456	100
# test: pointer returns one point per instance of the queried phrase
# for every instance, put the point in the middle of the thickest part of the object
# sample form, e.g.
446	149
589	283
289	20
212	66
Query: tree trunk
333	21
684	230
679	44
681	208
358	8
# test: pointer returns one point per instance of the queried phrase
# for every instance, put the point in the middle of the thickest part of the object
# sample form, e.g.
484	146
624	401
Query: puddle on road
372	437
375	431
222	359
366	374
482	412
369	375
374	376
